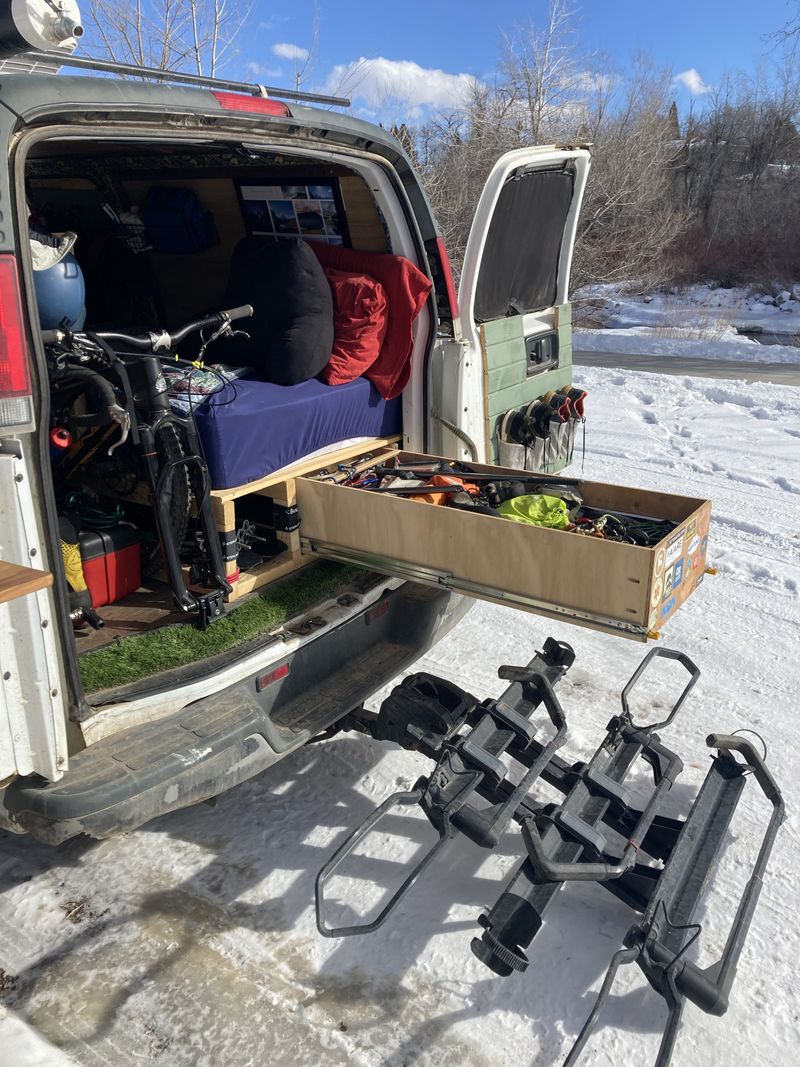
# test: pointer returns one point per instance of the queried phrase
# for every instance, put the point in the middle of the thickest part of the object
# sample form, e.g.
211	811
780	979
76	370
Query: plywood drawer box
619	588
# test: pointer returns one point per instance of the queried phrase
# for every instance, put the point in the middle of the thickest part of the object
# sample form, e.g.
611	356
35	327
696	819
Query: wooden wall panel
506	383
363	221
190	284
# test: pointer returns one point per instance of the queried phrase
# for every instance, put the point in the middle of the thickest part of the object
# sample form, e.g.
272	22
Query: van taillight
16	408
447	278
258	105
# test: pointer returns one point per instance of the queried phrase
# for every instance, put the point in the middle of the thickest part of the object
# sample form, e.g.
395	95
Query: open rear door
515	315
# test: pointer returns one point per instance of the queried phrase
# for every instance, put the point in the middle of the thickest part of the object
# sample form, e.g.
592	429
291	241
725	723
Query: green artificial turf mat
135	658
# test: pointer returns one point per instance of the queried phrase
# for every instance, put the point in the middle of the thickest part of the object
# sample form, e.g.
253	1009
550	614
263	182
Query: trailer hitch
657	865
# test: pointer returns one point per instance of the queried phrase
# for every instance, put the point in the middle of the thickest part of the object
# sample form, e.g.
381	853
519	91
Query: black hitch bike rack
657	865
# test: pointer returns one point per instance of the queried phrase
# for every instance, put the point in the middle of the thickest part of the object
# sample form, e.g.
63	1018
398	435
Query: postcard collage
309	211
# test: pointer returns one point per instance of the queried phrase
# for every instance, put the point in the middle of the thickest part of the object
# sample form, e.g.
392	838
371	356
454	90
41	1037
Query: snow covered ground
700	321
197	943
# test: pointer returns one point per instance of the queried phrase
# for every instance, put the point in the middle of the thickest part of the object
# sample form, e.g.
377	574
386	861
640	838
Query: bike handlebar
243	312
161	341
218	318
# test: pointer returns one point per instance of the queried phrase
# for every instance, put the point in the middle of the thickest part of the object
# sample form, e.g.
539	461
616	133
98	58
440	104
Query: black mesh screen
519	268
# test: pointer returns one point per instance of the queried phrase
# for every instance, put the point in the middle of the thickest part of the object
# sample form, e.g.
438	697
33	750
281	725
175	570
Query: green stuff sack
537	510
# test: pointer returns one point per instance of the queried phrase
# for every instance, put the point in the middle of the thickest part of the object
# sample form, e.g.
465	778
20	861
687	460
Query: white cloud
690	79
379	81
290	51
258	70
594	82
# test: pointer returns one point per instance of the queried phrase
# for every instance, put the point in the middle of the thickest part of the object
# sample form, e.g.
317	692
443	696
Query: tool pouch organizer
545	455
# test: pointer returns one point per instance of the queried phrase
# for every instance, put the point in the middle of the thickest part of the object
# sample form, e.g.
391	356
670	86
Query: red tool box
112	563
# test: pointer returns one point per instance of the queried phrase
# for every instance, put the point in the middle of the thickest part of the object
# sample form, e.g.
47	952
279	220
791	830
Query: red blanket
407	289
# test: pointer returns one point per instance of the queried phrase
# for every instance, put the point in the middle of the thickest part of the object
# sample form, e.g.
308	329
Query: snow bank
700	322
639	341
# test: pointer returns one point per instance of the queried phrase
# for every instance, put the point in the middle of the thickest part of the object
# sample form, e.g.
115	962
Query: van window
519	268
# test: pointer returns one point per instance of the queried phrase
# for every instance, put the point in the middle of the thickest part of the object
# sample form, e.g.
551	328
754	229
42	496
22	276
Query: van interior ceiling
165	234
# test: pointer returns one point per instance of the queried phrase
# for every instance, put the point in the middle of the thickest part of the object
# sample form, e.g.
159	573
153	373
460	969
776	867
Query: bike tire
169	447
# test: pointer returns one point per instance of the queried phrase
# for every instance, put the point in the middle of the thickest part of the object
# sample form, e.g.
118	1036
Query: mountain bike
106	384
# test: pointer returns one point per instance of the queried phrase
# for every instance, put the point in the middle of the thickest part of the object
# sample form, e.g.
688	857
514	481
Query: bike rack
657	865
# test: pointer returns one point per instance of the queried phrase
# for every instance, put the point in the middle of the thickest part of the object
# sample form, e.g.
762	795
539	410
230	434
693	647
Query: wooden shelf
280	486
16	581
305	467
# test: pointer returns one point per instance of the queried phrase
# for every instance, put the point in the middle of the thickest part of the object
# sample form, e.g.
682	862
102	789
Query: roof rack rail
112	67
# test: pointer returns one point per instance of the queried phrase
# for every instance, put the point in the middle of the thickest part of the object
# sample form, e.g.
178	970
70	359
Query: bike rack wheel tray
658	865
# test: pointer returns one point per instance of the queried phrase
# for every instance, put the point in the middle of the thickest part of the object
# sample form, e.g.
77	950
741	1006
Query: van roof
34	99
37	96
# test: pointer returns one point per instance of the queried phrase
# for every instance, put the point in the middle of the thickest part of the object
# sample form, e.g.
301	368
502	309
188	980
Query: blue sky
418	39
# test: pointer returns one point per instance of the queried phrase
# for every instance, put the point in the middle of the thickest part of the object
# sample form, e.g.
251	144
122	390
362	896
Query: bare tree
196	35
543	72
630	219
549	93
737	180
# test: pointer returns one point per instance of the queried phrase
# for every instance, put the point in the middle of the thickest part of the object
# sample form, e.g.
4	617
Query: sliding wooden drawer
619	588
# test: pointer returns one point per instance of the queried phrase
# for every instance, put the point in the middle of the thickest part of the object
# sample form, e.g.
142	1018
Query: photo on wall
311	210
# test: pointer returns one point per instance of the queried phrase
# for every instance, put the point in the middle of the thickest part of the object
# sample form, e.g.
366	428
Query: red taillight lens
15	378
273	676
256	105
447	276
380	609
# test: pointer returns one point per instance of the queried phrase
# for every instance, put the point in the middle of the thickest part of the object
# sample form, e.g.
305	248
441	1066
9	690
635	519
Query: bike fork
208	606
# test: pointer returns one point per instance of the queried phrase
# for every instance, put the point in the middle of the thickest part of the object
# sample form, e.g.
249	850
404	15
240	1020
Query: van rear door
32	711
513	296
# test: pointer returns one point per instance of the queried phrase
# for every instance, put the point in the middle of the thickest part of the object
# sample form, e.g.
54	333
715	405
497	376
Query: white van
245	595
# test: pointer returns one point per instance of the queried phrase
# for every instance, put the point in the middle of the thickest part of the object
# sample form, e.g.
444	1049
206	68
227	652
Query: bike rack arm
665	965
653	654
726	967
344	850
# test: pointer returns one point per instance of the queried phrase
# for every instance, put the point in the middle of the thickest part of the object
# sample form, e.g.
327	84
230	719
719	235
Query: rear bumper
217	742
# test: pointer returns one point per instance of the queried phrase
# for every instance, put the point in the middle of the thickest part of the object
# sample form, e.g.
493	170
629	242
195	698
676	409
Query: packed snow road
192	941
731	370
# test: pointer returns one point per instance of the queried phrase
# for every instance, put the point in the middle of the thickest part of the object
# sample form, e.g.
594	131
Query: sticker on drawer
657	589
669	582
659	562
674	548
668	607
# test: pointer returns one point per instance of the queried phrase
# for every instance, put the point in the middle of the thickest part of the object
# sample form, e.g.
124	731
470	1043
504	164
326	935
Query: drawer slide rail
659	866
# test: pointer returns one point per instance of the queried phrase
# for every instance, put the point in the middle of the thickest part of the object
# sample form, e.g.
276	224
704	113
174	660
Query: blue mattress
250	429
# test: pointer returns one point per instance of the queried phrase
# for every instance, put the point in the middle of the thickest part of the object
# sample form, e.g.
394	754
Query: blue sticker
676	578
670	604
704	545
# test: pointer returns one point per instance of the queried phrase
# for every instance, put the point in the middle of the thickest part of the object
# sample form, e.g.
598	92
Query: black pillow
291	331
